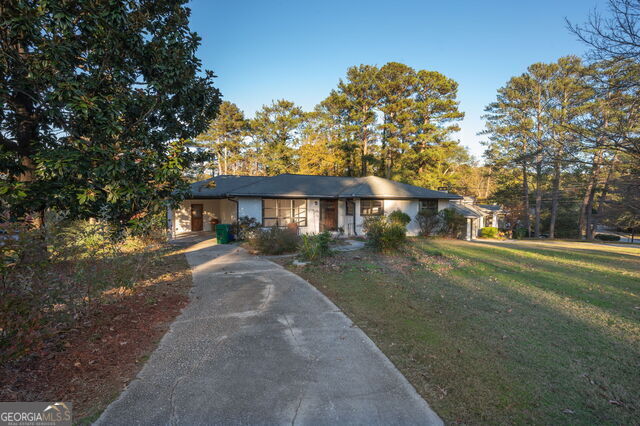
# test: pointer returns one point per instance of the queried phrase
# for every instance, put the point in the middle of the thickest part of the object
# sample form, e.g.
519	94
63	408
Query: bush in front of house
489	232
275	241
400	217
383	234
429	222
607	237
246	228
454	223
313	247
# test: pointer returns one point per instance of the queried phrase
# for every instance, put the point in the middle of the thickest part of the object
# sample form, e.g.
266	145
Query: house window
281	212
371	208
430	206
350	207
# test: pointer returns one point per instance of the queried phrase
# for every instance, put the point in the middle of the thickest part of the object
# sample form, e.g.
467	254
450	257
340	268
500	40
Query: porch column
468	230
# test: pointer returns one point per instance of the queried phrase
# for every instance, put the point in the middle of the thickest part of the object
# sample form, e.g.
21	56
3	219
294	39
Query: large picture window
281	212
371	207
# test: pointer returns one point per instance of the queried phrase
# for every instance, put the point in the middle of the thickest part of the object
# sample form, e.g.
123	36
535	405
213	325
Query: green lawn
526	332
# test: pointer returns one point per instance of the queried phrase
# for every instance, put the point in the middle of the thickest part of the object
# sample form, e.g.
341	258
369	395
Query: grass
526	332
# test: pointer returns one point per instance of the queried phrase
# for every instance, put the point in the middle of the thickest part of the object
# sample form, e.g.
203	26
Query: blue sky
298	50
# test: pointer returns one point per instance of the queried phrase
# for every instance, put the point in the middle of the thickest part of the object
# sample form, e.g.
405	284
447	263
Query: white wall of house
225	211
359	219
443	204
313	217
410	207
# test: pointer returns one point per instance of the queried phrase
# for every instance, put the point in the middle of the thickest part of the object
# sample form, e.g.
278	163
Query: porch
198	217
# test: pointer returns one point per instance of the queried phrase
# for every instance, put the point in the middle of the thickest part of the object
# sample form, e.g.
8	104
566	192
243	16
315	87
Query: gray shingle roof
466	210
221	186
492	207
290	185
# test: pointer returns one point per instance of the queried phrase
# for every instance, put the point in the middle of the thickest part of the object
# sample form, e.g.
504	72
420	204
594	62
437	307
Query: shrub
429	222
39	296
489	232
454	223
275	241
313	247
384	234
607	237
400	217
519	233
246	228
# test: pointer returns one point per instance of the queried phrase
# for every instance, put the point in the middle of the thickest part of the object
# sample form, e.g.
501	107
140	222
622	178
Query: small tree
429	222
453	223
400	217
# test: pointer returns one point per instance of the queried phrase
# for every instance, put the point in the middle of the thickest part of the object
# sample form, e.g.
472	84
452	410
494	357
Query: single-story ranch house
314	203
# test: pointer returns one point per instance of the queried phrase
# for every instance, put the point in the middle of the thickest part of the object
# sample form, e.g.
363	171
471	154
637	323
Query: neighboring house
478	215
314	203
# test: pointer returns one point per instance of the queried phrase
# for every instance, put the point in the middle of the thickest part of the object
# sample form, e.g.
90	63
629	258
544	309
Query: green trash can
223	232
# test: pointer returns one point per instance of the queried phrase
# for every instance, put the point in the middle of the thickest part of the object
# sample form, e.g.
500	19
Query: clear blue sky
298	50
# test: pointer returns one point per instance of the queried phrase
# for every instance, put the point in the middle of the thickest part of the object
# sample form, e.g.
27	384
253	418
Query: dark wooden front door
196	217
328	215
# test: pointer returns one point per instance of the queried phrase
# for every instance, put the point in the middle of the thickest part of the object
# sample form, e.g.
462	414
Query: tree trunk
592	183
554	198
525	189
589	213
538	206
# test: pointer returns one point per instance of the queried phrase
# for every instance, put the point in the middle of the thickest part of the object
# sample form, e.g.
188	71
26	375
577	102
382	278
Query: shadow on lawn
609	291
570	363
585	253
479	349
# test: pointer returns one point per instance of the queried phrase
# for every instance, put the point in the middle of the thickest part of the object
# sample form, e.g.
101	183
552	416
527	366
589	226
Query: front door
196	217
328	215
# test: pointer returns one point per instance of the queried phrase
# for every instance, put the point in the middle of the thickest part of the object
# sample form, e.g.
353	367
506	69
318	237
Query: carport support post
468	230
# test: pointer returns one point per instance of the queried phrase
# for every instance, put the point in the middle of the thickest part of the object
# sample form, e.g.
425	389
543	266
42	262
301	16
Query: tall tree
395	86
96	97
569	95
435	116
224	139
276	130
511	130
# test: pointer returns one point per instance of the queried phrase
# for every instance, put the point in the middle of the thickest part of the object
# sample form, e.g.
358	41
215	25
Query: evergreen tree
275	131
224	139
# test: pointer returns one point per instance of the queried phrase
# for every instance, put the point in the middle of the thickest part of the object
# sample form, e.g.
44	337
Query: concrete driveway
258	344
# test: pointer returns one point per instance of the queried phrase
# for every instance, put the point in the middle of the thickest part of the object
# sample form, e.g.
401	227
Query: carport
196	215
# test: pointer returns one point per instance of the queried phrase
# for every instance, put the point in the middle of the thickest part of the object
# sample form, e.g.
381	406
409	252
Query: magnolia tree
98	99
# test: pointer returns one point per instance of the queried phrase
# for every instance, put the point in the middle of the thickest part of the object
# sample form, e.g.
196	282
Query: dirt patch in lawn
91	363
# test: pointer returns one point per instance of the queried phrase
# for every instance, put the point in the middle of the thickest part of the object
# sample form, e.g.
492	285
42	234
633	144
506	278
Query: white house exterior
314	203
477	216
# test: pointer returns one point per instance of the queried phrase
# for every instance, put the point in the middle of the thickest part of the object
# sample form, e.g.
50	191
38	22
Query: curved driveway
258	344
